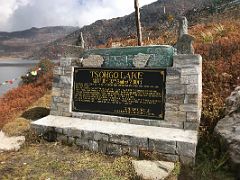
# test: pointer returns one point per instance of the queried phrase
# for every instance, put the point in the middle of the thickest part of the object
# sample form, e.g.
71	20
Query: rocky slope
100	32
152	15
23	43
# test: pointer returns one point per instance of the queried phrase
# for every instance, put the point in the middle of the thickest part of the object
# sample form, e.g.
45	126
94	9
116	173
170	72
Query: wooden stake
138	22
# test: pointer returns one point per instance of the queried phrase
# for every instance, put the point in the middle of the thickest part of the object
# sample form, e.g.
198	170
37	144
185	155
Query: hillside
23	43
100	32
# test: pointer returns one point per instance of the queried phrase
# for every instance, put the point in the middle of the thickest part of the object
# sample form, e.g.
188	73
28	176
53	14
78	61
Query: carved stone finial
183	26
185	41
184	44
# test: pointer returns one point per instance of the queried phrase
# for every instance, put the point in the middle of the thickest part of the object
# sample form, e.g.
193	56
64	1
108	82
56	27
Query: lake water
10	69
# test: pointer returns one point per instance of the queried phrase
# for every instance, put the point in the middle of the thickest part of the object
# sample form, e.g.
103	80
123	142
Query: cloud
23	14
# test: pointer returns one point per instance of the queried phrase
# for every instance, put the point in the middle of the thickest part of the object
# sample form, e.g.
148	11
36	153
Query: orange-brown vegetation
221	66
19	99
219	44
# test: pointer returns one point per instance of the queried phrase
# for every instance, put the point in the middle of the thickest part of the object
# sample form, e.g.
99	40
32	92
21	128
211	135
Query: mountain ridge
21	44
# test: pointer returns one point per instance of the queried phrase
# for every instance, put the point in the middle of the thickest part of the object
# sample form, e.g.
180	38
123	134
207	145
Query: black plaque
132	93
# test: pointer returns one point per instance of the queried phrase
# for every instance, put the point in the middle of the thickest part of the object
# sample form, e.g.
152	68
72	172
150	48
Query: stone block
114	149
175	89
54	106
93	61
56	91
67	97
66	80
101	117
193	89
57	99
138	121
58	85
186	149
120	139
68	73
190	79
93	146
71	132
37	129
193	116
47	129
56	79
77	115
195	70
100	136
62	138
191	125
82	143
59	130
114	118
159	146
134	151
164	156
174	116
175	99
171	107
90	116
185	60
192	99
142	143
174	124
102	147
55	113
175	72
57	70
66	62
172	80
87	134
189	108
71	140
67	114
63	107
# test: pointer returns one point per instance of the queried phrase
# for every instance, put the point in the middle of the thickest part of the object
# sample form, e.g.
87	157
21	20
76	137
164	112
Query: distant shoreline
9	58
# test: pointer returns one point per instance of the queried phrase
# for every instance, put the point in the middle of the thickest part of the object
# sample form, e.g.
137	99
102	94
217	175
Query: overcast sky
24	14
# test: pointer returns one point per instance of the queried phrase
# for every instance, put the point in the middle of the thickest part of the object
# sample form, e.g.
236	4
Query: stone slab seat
120	138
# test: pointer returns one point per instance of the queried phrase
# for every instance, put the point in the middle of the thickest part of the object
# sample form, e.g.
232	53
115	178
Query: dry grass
18	127
41	160
54	161
44	101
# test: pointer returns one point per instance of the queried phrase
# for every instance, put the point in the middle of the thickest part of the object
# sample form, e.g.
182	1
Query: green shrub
43	67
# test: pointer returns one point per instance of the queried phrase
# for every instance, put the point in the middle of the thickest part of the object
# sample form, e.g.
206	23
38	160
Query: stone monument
132	100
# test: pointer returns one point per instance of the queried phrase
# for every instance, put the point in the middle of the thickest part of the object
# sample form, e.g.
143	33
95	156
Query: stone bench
115	138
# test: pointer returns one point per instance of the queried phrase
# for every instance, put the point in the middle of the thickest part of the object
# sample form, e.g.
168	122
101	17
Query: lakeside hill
23	43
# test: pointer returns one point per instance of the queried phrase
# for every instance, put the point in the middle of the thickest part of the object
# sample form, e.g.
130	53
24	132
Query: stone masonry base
116	138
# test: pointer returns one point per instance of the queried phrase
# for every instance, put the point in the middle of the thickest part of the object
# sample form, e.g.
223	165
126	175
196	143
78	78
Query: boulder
153	170
228	128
